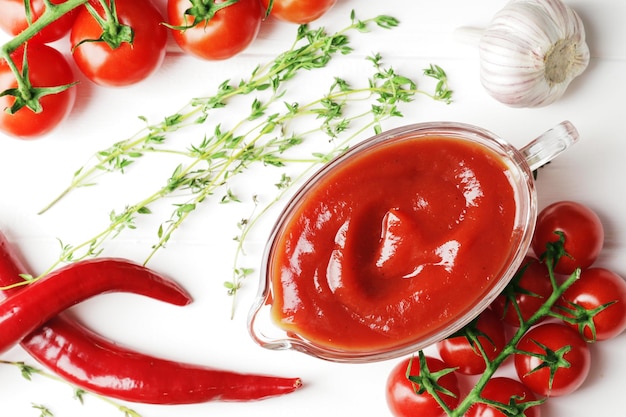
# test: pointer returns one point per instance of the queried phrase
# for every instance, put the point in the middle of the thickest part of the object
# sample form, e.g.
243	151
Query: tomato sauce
393	244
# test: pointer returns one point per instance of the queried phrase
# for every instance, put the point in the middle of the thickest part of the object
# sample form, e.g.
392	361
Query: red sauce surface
394	244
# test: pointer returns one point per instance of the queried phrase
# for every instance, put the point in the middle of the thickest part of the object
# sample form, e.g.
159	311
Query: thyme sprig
550	359
263	136
28	372
386	90
311	49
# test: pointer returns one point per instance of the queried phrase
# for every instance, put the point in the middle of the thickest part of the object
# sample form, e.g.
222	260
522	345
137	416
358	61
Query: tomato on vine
44	98
595	304
298	11
214	29
119	46
461	350
525	294
507	392
404	397
552	359
579	227
13	19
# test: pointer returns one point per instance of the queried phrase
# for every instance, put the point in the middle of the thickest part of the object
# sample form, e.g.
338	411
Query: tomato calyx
114	33
516	407
514	289
582	317
427	381
203	11
551	359
555	251
25	94
473	334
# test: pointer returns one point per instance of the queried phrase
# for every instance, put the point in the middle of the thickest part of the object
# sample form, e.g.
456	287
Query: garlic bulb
531	51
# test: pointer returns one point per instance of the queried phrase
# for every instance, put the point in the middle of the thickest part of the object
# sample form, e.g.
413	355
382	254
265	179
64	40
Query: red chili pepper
96	364
36	303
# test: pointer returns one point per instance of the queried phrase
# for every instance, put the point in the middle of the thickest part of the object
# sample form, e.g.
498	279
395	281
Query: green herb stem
263	136
315	54
28	371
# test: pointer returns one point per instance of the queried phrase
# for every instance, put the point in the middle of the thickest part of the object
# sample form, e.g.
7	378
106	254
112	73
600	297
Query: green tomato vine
28	96
551	359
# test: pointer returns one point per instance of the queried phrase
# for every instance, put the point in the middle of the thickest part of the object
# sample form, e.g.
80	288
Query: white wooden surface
200	254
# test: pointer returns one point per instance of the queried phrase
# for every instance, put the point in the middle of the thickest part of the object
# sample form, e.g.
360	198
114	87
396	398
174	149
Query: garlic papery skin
531	51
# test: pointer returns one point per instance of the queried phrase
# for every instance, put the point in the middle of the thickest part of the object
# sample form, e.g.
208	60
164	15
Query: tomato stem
268	11
25	94
550	258
51	14
510	348
114	33
203	11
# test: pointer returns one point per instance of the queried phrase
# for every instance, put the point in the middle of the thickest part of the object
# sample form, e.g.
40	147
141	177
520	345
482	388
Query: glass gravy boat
519	164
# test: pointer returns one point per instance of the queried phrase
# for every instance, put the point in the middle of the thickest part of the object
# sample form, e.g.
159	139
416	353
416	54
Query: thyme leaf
28	372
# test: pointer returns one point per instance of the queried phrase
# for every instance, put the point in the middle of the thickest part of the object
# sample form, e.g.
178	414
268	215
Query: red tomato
529	289
47	68
503	390
582	229
568	363
126	64
458	352
13	20
226	33
595	288
402	398
299	11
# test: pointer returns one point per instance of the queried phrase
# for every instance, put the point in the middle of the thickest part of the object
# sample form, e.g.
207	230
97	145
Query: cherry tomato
595	288
529	289
126	64
567	365
503	390
299	11
13	20
226	33
458	352
47	68
581	228
401	393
